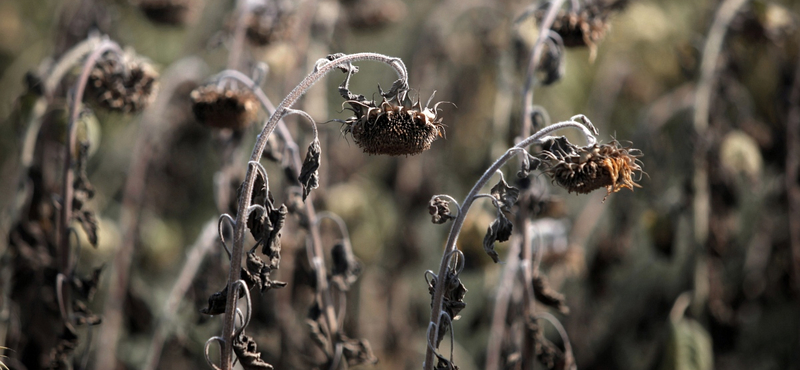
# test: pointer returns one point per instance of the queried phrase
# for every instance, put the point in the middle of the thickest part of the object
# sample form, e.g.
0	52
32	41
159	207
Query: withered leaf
86	287
216	303
505	195
319	331
67	342
247	352
296	207
547	295
258	274
345	269
499	230
83	315
272	245
440	210
529	163
309	173
357	351
89	225
453	301
444	364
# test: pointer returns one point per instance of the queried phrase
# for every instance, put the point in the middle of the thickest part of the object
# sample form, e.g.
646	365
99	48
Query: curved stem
244	201
708	69
62	239
536	57
450	247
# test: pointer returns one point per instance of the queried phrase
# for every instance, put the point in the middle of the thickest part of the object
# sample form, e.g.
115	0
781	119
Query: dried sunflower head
123	83
584	26
393	129
584	169
270	22
224	106
170	12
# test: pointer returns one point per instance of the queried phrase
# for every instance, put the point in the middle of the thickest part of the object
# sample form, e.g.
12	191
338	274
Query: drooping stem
708	70
321	70
450	247
62	238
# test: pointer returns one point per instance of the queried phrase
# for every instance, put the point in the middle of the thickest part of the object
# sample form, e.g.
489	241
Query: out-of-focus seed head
270	22
170	12
584	26
123	83
373	14
393	129
224	106
584	169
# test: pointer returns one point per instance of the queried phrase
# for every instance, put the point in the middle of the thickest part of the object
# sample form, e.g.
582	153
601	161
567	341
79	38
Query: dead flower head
224	106
584	26
393	129
170	12
584	169
270	22
123	83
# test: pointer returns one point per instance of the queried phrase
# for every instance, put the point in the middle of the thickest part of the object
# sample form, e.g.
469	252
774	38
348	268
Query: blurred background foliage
628	260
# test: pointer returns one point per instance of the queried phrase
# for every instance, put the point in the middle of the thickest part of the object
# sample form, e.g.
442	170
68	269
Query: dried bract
224	107
584	169
123	83
391	129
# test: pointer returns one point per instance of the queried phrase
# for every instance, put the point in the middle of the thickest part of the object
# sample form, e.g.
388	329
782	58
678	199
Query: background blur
625	261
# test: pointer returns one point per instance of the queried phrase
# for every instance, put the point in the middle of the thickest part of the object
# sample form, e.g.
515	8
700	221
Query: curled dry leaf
453	301
547	295
505	195
309	173
345	269
357	351
499	230
439	209
246	351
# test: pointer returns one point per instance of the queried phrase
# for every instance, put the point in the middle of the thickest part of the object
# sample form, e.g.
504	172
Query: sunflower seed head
224	107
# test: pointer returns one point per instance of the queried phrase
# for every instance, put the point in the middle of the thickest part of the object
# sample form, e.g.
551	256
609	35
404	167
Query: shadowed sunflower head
224	106
393	129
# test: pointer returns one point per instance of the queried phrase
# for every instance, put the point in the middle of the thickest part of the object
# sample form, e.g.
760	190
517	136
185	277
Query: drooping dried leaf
247	352
453	301
318	329
529	163
547	295
309	173
345	269
357	351
439	209
61	357
258	274
499	230
296	207
505	195
88	224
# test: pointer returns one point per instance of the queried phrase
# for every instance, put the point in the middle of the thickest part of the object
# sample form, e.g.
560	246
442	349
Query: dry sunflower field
388	184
